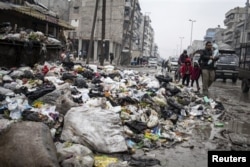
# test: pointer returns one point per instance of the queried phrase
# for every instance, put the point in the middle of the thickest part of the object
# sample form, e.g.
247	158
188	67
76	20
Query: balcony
229	22
228	38
128	4
126	18
228	31
231	12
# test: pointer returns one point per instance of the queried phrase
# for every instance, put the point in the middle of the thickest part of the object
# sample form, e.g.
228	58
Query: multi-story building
121	39
147	37
234	24
211	34
61	8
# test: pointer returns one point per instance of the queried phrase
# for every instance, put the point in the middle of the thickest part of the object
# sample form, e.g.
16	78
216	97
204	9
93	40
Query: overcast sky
170	20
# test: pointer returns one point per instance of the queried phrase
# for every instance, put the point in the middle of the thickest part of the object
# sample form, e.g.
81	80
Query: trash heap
24	35
78	116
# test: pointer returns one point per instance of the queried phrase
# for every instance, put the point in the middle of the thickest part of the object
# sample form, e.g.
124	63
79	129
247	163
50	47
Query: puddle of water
238	127
202	132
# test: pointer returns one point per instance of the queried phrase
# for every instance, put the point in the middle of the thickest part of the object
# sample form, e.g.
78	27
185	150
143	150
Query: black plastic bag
41	91
28	74
95	93
69	76
96	80
31	116
87	74
166	79
127	100
174	104
80	83
2	97
144	162
137	126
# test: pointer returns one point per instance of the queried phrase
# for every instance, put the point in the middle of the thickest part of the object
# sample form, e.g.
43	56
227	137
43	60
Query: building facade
127	33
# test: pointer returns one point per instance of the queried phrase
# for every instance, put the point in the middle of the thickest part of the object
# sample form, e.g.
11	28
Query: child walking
195	75
186	71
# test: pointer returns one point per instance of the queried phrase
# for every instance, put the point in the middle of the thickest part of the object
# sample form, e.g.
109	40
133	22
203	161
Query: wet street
232	134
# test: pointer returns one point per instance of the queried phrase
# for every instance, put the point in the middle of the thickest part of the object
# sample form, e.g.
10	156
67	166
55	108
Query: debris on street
94	112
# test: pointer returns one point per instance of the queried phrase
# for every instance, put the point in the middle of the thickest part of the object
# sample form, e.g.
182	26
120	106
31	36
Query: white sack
97	128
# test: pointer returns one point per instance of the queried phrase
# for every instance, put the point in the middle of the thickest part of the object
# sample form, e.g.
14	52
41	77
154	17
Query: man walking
208	69
111	58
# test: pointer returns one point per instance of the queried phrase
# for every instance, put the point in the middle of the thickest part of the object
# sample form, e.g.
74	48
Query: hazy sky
170	20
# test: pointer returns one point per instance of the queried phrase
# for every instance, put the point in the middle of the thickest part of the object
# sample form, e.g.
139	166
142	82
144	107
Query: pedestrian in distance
141	59
163	65
207	68
186	70
182	58
195	75
111	58
80	56
135	60
138	61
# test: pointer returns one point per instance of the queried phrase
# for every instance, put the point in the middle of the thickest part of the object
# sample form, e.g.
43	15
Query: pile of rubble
61	117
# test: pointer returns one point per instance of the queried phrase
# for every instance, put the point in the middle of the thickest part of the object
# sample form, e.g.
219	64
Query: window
228	59
76	9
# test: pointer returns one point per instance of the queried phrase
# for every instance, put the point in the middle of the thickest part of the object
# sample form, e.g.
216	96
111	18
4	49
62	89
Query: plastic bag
100	129
104	161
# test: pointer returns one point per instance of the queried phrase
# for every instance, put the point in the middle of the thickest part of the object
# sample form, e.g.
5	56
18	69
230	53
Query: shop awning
36	14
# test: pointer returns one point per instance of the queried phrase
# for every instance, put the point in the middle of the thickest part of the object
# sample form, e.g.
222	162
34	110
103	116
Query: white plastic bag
100	129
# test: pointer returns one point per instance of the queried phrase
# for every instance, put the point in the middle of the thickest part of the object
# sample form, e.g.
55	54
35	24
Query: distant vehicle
244	67
196	58
172	64
159	62
152	62
227	65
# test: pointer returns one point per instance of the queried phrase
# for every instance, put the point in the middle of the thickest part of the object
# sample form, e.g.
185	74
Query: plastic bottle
206	99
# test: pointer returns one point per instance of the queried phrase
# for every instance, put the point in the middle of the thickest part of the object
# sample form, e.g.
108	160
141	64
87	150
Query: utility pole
245	23
92	33
192	21
131	30
103	32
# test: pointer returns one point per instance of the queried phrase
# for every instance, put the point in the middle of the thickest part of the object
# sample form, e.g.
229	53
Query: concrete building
211	34
61	8
121	38
147	37
234	22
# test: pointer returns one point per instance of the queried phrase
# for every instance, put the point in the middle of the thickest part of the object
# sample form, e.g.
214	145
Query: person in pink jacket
195	75
186	70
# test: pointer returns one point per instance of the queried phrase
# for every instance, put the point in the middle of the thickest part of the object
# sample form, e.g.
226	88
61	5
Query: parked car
227	65
152	62
172	64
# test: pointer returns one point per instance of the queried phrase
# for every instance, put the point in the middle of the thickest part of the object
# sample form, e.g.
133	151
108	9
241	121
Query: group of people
137	61
204	67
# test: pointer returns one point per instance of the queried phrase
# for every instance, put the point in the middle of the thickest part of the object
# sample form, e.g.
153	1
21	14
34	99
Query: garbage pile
7	32
92	111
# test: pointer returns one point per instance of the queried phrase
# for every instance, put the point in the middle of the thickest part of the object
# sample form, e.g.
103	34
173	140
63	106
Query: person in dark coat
111	58
135	60
207	69
195	75
182	58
